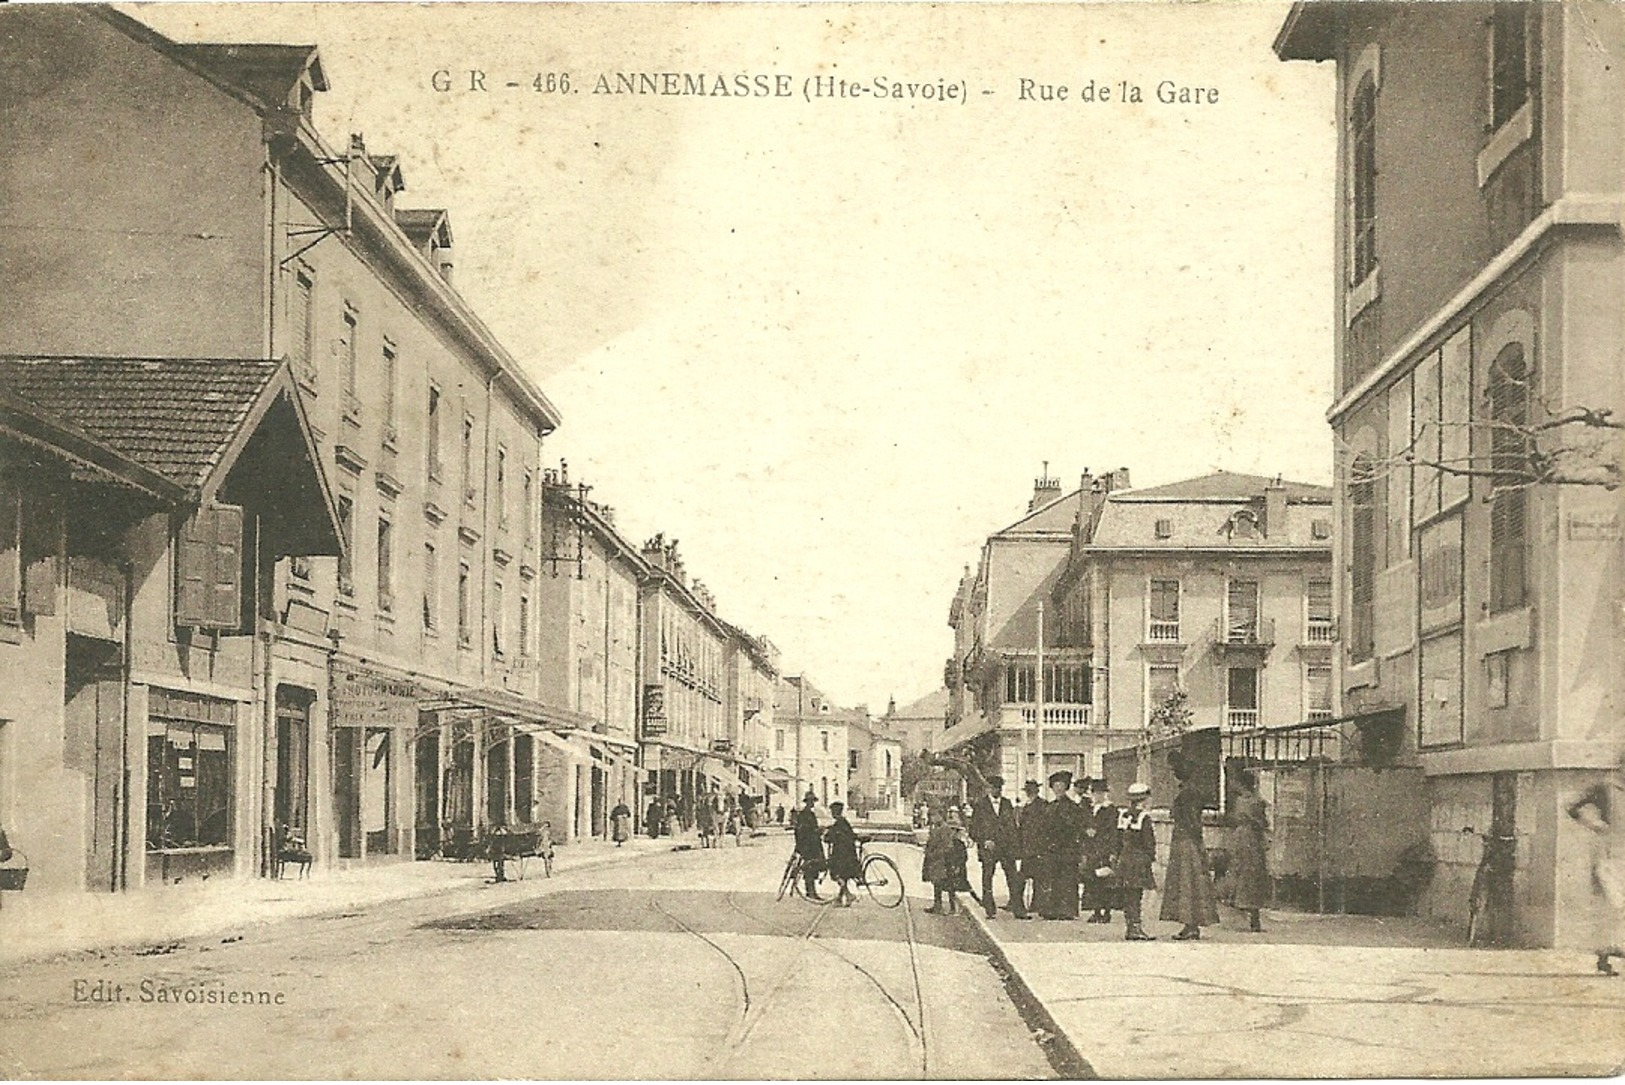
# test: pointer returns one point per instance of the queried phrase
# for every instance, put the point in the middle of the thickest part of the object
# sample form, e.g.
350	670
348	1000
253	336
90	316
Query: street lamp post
1038	723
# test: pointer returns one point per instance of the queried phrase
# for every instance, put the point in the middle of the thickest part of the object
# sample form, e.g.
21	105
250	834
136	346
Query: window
498	632
1362	560
524	624
502	486
851	760
389	378
352	365
1317	692
1164	529
1163	608
1161	683
468	459
386	565
778	740
301	324
1509	61
11	553
1241	697
1510	449
1318	605
465	629
189	771
823	740
431	586
1020	683
347	534
1363	180
434	432
1241	612
528	508
1320	529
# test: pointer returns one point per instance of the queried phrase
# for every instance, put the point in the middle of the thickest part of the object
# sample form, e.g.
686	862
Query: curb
1068	1062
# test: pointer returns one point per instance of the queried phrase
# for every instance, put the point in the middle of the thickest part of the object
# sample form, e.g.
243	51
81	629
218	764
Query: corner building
1477	283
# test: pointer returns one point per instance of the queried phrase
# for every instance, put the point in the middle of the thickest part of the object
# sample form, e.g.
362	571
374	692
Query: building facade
811	742
1217	589
1476	287
874	768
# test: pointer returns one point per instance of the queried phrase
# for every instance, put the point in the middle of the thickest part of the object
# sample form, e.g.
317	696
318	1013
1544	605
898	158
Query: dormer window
1243	525
1164	529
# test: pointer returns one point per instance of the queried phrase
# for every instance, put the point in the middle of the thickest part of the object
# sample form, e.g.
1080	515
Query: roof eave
1309	31
37	427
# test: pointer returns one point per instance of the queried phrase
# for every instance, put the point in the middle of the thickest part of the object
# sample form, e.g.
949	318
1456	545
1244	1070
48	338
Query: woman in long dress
1187	894
1602	811
620	821
1249	870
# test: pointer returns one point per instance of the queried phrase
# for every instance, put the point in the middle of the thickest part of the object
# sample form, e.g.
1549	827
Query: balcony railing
1241	719
1321	631
1260	632
1059	716
1319	713
1163	633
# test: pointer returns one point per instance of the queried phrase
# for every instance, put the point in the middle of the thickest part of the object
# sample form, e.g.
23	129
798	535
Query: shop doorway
290	799
93	707
426	798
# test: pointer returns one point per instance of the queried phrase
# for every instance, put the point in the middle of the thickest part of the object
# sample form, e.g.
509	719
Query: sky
828	345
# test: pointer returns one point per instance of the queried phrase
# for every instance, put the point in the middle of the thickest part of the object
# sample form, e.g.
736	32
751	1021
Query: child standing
946	857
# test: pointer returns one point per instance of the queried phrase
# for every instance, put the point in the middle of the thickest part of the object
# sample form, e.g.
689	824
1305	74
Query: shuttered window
1510	448
1363	176
1509	61
347	535
1164	610
209	569
1241	609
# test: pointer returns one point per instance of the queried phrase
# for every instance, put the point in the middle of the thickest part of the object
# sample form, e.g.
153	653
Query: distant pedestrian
809	844
1249	863
1187	892
1601	810
705	819
652	817
1028	824
1132	867
844	868
778	814
946	859
620	823
668	818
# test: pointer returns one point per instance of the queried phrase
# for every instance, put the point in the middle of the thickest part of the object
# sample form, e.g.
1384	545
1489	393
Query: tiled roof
1057	516
930	707
1225	486
173	415
421	223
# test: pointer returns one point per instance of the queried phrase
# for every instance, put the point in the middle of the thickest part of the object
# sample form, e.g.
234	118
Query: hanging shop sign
654	711
363	698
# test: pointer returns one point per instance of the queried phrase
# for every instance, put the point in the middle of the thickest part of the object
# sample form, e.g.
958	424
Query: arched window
1363	180
1507	393
1362	558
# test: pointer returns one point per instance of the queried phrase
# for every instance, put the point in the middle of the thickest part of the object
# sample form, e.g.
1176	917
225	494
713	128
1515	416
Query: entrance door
93	709
426	816
290	801
377	790
599	793
346	790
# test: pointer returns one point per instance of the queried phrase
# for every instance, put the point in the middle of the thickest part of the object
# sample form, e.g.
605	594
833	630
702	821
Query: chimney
1275	509
1045	490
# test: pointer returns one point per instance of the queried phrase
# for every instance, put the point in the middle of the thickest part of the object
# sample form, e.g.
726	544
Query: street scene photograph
848	541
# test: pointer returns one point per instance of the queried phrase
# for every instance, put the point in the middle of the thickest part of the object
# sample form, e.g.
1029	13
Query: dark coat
946	858
1187	895
994	828
1028	820
1060	831
1135	862
1099	837
809	841
843	849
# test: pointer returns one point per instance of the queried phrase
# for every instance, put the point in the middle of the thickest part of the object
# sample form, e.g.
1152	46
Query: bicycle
877	873
1498	861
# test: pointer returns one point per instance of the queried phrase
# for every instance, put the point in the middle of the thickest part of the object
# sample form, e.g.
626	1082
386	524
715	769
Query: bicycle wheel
792	872
883	880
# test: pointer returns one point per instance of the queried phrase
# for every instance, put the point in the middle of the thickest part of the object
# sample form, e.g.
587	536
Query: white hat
1137	790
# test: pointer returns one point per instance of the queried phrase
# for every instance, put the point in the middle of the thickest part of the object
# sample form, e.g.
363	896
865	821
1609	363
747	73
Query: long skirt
1608	900
622	829
1061	888
1187	892
1249	875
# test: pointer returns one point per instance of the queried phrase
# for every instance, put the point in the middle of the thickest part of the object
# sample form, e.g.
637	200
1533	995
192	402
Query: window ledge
1505	632
1517	131
1362	296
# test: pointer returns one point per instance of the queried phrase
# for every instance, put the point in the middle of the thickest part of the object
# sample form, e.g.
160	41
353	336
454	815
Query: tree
915	767
1169	717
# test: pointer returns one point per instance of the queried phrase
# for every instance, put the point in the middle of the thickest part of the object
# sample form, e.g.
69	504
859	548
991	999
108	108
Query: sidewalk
1313	996
52	924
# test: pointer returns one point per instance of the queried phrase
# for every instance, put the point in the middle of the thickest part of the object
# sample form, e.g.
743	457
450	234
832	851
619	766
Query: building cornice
1569	213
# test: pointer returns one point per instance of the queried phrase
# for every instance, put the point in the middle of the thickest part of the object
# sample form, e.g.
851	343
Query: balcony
1320	631
1057	717
1162	633
1240	719
1246	639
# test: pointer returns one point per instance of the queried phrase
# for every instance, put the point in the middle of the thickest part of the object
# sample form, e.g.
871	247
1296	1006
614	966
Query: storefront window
189	772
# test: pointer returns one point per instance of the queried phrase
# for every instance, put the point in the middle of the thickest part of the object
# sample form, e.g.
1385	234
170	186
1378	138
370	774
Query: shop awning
507	703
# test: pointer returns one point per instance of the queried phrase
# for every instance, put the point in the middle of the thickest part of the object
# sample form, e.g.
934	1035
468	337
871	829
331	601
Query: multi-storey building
810	742
1219	588
398	696
918	725
1476	284
753	673
874	767
142	506
995	617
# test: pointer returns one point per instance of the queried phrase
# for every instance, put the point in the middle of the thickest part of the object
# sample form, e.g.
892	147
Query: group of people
1075	852
840	861
711	813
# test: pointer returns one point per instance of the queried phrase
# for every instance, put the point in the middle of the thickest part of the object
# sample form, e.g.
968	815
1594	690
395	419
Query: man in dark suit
993	827
1099	845
809	844
1029	819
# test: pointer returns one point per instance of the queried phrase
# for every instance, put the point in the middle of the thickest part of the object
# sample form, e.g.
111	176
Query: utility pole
1038	729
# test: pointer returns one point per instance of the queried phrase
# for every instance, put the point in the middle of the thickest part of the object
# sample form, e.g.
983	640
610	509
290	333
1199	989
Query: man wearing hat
809	844
1136	854
1060	847
993	827
1028	818
1099	845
